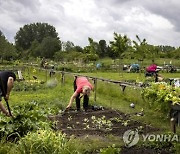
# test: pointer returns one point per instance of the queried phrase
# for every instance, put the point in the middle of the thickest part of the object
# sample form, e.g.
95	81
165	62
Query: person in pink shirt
152	71
152	68
81	85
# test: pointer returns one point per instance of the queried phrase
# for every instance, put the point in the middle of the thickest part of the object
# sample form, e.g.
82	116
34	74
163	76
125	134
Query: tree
91	50
78	49
144	50
119	45
7	49
103	48
93	46
36	31
68	46
166	48
176	53
35	49
49	47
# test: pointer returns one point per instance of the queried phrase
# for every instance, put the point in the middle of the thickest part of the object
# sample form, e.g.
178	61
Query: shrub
28	85
29	117
161	96
45	142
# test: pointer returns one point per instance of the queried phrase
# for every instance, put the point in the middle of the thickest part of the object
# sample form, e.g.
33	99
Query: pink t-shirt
152	68
80	82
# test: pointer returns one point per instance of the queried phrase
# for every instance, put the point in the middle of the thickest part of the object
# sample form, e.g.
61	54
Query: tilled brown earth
145	150
102	123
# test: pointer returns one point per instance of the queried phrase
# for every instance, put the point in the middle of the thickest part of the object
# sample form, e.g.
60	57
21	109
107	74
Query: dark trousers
85	99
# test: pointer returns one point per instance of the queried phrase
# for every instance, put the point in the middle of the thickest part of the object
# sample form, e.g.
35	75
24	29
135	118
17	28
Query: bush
28	85
28	117
45	142
161	96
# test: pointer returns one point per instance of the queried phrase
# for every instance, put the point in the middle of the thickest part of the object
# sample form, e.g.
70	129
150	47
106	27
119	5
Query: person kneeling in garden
81	85
7	79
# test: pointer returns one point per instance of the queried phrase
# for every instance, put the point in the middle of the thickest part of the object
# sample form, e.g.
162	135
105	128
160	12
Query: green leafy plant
110	150
161	96
45	142
28	85
102	123
28	117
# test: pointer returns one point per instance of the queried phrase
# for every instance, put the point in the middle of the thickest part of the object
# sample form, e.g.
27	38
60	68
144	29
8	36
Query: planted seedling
86	120
69	118
102	122
125	123
116	119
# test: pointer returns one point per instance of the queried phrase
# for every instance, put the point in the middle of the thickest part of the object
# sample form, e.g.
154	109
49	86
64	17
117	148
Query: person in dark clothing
7	79
52	72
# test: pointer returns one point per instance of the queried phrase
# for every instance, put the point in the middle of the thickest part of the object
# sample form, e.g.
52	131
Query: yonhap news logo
132	137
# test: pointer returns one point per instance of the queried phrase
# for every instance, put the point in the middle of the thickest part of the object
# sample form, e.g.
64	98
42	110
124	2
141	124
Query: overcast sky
158	21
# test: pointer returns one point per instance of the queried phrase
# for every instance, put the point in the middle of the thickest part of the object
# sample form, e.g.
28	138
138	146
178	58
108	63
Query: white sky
158	21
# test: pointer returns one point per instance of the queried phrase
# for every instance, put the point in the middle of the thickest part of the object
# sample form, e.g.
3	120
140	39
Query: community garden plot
100	123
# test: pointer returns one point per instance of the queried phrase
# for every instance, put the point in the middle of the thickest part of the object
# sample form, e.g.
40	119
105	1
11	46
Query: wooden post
95	88
123	88
173	125
119	67
62	77
46	74
28	73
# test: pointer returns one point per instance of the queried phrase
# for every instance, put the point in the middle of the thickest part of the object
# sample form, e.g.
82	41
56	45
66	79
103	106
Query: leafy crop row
28	117
162	96
28	85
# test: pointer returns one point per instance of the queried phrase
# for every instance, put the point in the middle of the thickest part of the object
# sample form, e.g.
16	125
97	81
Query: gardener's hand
6	97
8	115
67	108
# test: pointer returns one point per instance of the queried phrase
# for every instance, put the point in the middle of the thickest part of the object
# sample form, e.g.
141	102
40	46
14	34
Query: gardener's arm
3	109
72	99
10	83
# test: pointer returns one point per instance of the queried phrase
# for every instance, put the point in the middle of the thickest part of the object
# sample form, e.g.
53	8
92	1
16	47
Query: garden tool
8	107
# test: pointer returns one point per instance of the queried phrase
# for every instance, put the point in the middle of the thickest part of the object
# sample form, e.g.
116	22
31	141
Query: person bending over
81	85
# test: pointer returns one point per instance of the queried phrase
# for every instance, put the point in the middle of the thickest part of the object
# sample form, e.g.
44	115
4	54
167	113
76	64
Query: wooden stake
95	88
173	125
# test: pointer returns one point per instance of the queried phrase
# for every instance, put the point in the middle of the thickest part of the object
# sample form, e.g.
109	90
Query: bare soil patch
99	122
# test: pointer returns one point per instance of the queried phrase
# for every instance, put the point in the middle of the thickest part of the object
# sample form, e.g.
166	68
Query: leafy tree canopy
7	49
119	45
35	31
47	48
